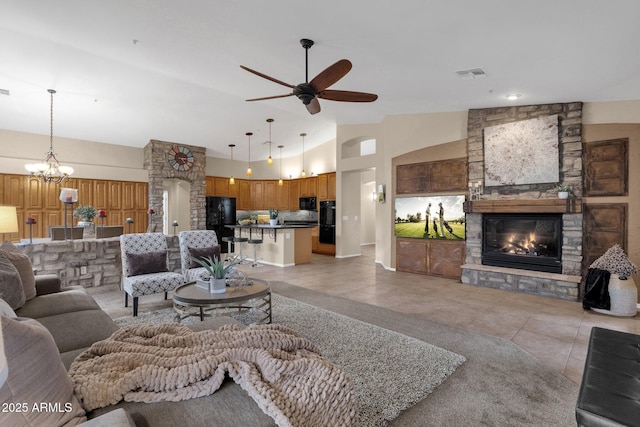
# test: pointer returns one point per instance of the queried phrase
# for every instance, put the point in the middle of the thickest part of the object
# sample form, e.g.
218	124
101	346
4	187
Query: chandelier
49	170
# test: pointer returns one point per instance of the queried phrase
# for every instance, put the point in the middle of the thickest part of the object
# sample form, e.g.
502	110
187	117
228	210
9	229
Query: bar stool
240	241
255	243
230	247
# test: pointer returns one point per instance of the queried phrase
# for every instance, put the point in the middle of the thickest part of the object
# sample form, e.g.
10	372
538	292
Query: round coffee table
254	298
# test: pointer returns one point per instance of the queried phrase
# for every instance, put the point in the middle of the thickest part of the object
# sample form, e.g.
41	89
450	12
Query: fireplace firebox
525	241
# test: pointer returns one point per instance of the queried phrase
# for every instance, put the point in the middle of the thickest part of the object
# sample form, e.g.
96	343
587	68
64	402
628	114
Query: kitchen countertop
272	227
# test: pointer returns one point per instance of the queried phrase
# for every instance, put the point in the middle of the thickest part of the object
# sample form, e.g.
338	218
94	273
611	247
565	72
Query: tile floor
555	331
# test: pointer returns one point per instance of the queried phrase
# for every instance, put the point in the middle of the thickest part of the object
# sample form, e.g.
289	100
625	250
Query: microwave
307	203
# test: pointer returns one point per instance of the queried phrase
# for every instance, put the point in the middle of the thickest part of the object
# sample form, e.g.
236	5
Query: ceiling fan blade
330	75
270	97
314	106
347	96
264	76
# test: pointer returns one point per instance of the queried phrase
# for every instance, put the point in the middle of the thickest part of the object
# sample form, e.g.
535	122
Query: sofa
49	329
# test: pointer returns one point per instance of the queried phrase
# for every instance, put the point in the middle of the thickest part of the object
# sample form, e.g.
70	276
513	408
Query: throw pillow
147	263
11	289
23	264
38	389
199	253
6	310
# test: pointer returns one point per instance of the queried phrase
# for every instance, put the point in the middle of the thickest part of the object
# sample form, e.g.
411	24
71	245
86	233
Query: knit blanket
282	371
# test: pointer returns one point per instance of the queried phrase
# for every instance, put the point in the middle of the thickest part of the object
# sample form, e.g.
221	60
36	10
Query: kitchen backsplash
283	216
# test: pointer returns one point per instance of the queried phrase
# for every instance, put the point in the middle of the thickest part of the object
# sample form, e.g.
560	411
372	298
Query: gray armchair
144	267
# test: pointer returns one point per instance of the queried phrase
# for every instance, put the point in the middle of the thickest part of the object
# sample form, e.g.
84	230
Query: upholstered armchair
144	267
196	244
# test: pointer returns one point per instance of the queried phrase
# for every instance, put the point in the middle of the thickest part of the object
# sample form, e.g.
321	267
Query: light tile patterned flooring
554	331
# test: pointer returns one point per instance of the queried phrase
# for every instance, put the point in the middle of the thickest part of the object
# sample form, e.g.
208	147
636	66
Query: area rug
391	371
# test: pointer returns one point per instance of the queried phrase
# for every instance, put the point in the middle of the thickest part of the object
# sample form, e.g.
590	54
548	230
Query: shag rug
391	371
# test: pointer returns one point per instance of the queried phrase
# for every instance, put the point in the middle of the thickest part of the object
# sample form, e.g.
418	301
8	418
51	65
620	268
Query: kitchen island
282	245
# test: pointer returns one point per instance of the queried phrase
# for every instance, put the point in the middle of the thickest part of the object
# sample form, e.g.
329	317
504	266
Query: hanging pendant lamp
303	173
280	182
249	173
49	170
231	180
270	159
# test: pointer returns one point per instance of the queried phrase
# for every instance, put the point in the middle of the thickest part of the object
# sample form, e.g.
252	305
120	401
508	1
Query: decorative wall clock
180	158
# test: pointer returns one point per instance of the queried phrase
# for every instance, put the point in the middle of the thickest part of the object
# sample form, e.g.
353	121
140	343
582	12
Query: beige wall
602	132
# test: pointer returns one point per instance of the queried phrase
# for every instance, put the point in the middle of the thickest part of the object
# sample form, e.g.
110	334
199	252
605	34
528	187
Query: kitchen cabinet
269	196
100	195
243	199
115	197
308	186
221	187
282	196
257	195
209	186
331	186
294	195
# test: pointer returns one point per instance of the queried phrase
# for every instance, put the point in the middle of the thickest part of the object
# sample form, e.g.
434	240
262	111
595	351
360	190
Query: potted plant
273	216
622	288
85	212
218	271
564	191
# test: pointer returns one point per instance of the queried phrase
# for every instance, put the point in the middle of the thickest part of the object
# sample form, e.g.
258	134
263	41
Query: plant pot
273	222
217	286
563	194
624	297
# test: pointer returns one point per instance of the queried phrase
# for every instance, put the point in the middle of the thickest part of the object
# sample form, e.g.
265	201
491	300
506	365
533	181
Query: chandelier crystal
49	170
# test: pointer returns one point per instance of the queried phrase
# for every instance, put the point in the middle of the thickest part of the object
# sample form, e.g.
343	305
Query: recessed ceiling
129	71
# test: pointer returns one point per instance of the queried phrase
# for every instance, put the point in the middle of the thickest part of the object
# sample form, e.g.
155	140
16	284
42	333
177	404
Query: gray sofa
76	321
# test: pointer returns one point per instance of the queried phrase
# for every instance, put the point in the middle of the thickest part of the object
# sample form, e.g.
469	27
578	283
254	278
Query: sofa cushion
36	377
198	253
147	263
11	289
22	263
78	329
6	310
71	299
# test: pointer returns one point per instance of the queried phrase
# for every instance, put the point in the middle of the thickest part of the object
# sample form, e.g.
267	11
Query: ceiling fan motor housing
305	93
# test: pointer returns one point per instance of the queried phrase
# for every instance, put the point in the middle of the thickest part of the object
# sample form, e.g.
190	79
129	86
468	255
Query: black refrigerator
327	225
221	211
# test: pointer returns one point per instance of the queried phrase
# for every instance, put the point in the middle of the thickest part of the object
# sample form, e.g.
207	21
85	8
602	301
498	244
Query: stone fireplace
543	254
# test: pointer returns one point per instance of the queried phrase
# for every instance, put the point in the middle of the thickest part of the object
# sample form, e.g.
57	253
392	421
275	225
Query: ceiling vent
4	92
472	73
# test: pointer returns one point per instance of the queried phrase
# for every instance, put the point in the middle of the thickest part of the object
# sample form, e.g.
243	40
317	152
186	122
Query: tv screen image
446	219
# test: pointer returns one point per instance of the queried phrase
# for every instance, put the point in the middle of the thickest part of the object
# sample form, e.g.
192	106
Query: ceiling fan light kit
309	91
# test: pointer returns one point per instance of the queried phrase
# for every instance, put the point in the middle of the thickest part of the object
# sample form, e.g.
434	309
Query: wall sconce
381	196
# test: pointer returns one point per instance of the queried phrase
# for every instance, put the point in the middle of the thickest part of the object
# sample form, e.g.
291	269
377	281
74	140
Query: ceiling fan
309	91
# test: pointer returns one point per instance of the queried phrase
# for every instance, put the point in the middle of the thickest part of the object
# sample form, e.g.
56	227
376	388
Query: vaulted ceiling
127	71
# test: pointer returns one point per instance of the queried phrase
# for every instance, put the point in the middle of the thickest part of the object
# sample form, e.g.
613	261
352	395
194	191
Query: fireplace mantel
524	206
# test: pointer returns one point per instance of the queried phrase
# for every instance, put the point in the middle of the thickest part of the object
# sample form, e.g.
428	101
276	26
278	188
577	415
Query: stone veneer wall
565	285
156	162
88	262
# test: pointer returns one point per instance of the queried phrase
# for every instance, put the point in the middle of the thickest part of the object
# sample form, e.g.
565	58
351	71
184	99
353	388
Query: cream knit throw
282	371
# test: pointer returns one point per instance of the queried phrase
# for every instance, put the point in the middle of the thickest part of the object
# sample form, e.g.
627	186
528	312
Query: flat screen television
411	217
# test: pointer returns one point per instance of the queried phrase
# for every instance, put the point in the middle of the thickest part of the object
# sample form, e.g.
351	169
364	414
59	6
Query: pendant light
49	170
231	180
249	173
303	173
270	159
280	182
